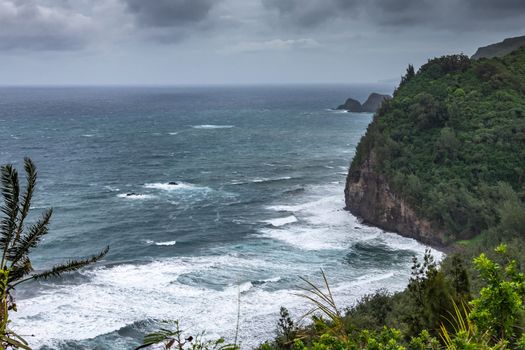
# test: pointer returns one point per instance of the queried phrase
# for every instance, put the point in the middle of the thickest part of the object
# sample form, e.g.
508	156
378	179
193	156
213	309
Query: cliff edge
369	196
500	49
443	159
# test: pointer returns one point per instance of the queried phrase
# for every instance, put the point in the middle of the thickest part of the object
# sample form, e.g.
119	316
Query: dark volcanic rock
351	105
373	102
500	49
368	195
371	105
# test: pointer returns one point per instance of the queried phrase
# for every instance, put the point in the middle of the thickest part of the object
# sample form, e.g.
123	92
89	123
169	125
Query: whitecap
267	280
373	278
173	133
337	111
135	196
311	238
241	288
212	126
281	221
167	243
67	312
166	186
88	135
272	179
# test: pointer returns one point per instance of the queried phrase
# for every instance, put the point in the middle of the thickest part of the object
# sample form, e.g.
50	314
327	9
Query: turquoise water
256	200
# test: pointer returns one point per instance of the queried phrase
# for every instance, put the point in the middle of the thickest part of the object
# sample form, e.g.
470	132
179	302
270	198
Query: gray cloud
169	13
273	45
309	13
499	8
27	24
452	15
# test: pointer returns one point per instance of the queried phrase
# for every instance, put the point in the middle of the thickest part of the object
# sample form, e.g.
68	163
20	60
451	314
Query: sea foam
281	221
212	126
135	196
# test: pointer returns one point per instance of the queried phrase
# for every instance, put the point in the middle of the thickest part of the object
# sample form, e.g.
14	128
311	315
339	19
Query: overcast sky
240	41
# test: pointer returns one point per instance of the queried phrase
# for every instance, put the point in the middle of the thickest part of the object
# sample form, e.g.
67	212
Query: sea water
213	200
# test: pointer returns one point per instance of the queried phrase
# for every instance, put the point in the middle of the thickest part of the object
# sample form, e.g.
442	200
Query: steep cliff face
443	158
368	196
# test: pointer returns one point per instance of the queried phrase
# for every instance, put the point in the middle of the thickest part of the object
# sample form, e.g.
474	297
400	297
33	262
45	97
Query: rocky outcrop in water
371	105
351	105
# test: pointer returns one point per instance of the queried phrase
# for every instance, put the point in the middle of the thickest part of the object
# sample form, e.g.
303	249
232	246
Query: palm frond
20	270
31	175
10	190
70	266
35	233
15	344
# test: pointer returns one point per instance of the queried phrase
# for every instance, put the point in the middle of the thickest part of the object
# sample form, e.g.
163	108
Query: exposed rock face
373	102
351	105
368	195
500	49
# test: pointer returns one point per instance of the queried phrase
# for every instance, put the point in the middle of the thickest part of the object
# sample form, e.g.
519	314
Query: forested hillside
445	157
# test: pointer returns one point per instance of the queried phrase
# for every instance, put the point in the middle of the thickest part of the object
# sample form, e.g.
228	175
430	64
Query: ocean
213	200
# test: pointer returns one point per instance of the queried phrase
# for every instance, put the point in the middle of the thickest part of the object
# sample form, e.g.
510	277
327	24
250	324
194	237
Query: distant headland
371	105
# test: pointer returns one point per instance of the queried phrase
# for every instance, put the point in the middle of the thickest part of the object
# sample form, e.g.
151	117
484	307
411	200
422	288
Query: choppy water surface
203	194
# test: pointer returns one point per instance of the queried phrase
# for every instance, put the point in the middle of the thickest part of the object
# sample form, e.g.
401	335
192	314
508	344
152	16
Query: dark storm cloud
27	24
454	15
307	13
169	13
489	8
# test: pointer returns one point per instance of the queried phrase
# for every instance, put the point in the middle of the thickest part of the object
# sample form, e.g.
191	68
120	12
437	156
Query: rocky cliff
369	196
442	157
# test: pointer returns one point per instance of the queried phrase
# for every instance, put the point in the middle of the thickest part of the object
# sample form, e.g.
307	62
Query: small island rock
351	105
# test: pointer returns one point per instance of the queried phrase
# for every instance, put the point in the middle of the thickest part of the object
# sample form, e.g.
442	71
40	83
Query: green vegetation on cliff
451	144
